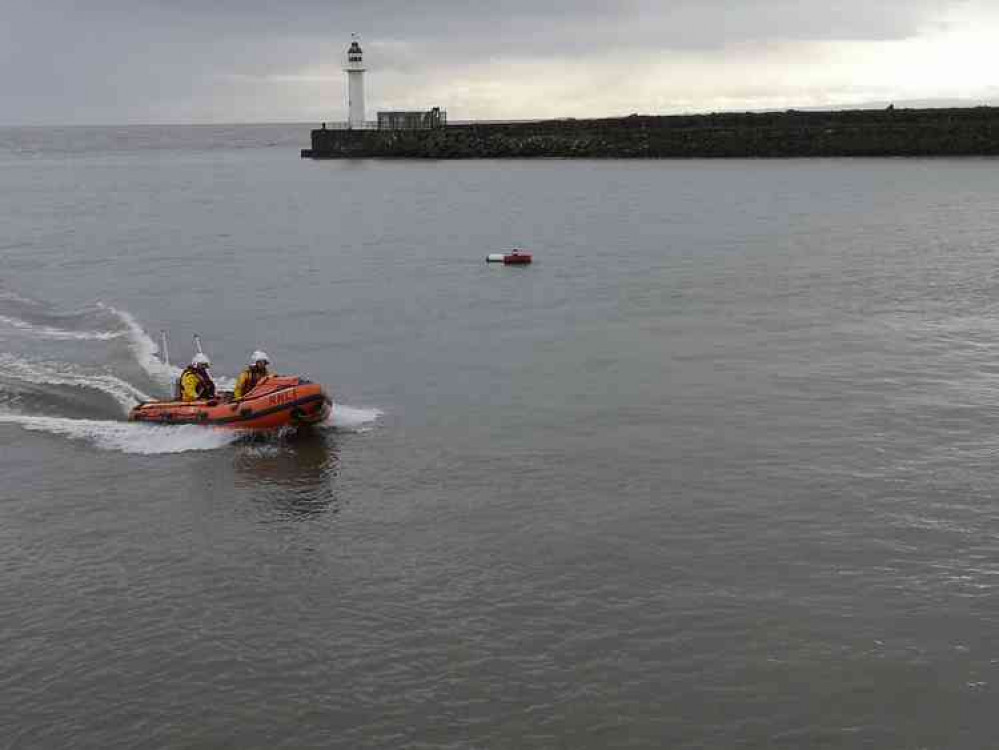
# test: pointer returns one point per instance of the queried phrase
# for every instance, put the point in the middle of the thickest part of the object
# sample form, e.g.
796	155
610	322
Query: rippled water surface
718	470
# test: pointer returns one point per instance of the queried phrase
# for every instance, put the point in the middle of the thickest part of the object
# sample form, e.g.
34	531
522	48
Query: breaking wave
57	373
58	333
128	437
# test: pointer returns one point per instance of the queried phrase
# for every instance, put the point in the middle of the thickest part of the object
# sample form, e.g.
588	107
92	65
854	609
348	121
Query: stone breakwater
888	132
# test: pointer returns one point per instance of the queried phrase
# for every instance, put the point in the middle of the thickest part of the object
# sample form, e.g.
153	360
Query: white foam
56	373
144	348
58	333
351	418
146	353
128	437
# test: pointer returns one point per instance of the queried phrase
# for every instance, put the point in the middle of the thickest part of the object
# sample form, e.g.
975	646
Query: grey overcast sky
173	61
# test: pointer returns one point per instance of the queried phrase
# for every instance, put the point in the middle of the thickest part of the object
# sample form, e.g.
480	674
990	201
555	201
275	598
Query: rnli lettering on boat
283	397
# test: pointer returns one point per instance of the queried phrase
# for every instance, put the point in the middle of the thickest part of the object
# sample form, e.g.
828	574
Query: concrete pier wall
891	132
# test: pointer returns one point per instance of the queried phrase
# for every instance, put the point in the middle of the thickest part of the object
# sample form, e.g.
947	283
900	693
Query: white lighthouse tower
355	85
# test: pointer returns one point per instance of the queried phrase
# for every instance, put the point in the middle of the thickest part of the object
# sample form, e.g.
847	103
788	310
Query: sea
717	470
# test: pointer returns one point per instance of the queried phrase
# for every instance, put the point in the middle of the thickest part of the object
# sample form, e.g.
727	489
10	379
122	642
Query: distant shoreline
794	133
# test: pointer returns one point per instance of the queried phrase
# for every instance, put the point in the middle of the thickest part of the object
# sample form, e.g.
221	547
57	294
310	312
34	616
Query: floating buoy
512	258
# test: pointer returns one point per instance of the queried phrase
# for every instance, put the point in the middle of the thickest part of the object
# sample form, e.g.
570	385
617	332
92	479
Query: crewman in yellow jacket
195	382
250	377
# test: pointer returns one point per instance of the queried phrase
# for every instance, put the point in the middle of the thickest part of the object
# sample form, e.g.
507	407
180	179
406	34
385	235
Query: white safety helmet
201	360
259	356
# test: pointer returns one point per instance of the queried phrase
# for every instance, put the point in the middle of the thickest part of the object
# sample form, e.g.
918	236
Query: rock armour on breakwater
890	132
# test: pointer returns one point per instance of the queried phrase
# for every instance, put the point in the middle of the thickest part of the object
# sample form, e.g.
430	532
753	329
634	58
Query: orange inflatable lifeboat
277	401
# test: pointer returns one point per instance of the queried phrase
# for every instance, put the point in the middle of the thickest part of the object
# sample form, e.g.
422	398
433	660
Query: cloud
229	60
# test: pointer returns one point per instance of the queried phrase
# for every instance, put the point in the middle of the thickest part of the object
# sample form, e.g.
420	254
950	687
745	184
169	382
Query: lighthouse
355	85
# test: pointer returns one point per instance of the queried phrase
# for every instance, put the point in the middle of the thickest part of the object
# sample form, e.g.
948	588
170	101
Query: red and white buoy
512	258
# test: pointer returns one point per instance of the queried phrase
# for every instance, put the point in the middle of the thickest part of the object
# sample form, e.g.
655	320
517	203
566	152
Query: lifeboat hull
276	402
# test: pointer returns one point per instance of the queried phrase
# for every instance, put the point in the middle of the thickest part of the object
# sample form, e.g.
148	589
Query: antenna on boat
197	344
164	348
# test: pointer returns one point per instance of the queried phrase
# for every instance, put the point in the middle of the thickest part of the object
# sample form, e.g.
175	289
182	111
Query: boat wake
127	437
62	374
144	349
147	353
23	327
88	403
143	439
